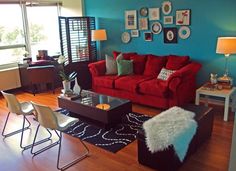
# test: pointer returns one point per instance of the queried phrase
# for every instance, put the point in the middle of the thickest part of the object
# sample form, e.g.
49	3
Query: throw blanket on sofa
174	126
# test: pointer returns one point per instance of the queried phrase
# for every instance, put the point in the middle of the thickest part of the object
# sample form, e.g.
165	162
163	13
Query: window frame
23	6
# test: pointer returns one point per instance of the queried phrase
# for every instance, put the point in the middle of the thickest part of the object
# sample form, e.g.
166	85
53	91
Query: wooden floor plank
213	155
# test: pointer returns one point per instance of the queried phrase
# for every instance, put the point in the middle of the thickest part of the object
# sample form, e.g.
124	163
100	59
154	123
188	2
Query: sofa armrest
97	68
183	75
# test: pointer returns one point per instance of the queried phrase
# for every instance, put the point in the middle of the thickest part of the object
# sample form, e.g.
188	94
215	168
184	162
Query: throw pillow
139	62
119	57
154	65
165	74
125	55
176	62
111	66
125	67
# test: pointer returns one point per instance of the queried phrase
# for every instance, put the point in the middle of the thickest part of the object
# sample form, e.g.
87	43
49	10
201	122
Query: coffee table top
96	100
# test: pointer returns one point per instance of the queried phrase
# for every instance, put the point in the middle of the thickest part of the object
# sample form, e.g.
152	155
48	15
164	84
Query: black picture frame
170	35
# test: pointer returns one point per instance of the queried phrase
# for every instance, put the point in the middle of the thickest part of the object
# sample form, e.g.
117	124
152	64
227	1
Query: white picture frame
156	27
134	33
168	19
143	24
184	32
130	19
154	14
148	36
183	17
166	7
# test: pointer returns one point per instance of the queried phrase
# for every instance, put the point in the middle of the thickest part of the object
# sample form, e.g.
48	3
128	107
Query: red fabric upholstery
131	82
176	62
139	62
177	90
125	55
105	81
98	68
154	64
154	87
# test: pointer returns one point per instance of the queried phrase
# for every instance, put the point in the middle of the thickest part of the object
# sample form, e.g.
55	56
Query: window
43	29
12	39
28	28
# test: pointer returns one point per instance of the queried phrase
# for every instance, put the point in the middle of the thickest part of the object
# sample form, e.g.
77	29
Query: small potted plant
66	80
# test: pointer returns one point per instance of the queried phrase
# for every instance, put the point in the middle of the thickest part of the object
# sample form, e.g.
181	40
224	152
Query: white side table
227	94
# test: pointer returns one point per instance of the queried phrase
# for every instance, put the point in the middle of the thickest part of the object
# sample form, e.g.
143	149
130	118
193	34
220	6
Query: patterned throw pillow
111	66
165	74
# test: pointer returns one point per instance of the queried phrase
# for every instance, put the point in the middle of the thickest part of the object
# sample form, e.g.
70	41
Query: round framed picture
166	7
156	28
184	32
143	11
125	37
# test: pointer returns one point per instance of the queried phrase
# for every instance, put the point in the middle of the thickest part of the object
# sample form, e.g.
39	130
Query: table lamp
226	46
99	35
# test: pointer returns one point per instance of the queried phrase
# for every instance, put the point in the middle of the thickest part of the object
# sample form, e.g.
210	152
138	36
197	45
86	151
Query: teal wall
209	19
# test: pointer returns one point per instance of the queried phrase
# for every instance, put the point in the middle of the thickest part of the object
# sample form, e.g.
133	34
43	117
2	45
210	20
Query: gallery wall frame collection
154	20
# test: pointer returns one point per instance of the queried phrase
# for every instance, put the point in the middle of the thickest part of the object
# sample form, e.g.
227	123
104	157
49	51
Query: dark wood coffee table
85	108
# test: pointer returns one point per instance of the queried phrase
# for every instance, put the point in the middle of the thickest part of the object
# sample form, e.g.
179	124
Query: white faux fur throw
174	126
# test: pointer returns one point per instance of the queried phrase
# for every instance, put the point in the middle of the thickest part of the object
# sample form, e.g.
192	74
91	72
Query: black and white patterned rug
112	139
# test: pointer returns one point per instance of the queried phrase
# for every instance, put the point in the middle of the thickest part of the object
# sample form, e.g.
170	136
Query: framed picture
148	36
143	24
131	19
134	33
154	13
125	37
166	7
143	12
170	35
183	17
168	19
184	32
156	28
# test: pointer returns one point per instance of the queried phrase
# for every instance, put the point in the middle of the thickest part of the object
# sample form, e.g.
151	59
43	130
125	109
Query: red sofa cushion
176	62
125	55
105	81
139	62
154	87
130	83
154	65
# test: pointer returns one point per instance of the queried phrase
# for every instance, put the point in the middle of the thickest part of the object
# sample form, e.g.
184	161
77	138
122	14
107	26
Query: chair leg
42	149
14	132
81	157
34	143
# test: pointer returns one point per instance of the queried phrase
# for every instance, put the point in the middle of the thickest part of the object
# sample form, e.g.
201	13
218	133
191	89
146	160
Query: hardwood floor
213	155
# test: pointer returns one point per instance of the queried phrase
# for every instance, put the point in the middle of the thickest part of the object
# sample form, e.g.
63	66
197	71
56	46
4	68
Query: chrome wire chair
25	109
56	122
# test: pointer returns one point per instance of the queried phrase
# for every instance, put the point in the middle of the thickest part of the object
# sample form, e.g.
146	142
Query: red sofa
142	86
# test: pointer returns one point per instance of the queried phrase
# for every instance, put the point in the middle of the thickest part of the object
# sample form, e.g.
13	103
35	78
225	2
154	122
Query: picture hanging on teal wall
125	37
148	36
183	17
168	19
156	28
143	12
154	14
143	24
184	32
166	7
170	35
131	19
134	33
